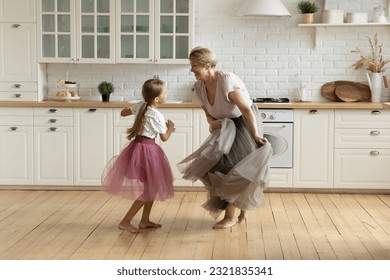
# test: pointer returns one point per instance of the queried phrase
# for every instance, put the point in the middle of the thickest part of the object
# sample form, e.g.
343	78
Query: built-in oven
278	128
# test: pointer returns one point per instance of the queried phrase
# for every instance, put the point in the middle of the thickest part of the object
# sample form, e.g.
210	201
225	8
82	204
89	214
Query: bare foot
129	227
148	224
225	223
241	217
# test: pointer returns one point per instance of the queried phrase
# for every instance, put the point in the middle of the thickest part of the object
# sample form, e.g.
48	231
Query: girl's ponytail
136	129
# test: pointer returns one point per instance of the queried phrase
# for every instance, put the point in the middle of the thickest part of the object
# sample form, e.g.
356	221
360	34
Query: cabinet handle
53	111
374	132
52	128
17	85
374	153
376	112
92	110
17	95
16	25
53	121
313	112
13	128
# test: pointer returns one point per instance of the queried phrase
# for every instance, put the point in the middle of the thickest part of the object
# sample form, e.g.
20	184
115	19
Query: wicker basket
308	18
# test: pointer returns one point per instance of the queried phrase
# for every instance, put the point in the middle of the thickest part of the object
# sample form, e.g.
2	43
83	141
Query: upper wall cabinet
18	11
154	31
76	31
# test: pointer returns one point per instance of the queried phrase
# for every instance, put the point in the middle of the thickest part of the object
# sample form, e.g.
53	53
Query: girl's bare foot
225	223
148	224
129	227
241	217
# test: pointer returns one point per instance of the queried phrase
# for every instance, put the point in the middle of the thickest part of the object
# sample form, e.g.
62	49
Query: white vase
376	87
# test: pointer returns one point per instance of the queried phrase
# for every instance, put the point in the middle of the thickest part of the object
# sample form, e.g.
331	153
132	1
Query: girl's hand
170	125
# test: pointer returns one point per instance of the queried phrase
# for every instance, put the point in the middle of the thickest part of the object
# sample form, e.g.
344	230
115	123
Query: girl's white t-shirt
154	121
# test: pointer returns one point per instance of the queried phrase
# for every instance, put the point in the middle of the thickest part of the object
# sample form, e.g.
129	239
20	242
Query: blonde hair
203	55
150	90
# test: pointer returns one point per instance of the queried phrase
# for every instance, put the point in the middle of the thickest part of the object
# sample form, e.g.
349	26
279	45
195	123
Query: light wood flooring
82	225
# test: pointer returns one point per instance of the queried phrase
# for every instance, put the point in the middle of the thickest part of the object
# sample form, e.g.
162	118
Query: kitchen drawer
18	96
53	121
362	168
181	117
18	87
362	138
14	116
16	111
122	121
362	118
15	121
51	111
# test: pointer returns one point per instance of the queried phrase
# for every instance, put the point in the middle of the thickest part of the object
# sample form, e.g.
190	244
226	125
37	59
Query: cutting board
349	91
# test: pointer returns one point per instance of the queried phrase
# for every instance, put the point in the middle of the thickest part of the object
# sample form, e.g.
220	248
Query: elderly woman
233	160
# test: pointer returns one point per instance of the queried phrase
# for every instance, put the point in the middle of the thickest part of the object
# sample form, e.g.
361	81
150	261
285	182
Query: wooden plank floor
82	225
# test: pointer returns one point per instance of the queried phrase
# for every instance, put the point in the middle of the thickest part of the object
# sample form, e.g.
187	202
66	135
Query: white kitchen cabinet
154	31
93	144
362	149
17	10
179	144
16	146
76	31
18	51
313	148
53	146
121	124
18	63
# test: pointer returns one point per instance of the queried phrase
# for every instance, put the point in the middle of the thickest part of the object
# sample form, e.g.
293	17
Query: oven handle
275	125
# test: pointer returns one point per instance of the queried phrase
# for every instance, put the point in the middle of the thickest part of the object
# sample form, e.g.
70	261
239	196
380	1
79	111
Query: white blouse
222	107
154	123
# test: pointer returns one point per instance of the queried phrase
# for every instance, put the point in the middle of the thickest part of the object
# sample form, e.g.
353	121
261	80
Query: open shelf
320	25
343	24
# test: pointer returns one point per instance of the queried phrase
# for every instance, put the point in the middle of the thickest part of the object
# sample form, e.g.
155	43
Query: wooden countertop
293	105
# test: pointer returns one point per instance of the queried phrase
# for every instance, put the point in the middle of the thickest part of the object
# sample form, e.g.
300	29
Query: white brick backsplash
269	54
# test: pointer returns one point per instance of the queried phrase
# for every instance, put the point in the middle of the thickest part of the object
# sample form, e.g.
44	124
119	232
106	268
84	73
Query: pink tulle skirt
140	172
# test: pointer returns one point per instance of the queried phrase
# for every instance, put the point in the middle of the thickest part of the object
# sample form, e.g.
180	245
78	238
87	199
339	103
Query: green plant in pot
307	9
105	89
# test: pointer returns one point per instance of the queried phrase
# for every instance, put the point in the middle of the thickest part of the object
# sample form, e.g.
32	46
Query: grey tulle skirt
231	165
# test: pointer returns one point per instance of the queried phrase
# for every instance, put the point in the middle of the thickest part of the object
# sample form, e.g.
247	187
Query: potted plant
307	9
105	89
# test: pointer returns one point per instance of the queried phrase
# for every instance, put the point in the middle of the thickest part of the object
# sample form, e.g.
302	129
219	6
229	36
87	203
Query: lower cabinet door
93	146
53	159
177	148
362	168
16	155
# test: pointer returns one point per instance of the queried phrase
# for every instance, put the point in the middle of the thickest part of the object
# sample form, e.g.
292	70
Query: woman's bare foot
148	224
225	223
241	217
129	227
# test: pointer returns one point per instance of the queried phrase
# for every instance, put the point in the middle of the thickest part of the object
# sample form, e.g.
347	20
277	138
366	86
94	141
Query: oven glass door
280	137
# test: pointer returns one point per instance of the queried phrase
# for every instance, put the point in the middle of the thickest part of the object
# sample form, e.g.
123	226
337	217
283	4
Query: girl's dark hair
150	90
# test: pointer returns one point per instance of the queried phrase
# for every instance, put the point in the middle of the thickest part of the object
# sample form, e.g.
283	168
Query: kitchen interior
329	180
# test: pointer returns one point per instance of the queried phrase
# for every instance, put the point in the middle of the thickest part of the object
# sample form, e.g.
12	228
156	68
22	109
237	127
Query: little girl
141	171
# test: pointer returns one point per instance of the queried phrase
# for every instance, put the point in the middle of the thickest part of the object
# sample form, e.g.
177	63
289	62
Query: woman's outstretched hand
260	140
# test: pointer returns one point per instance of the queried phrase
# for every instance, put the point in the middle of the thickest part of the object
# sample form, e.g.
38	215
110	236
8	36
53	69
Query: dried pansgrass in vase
373	62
